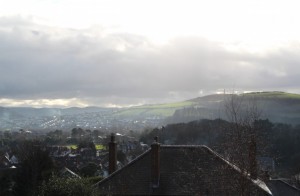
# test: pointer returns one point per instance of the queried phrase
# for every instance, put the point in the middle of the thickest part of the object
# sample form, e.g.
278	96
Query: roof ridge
183	146
261	184
258	182
128	165
286	183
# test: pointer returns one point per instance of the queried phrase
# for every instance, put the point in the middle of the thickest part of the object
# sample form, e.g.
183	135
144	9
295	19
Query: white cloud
254	24
97	67
43	103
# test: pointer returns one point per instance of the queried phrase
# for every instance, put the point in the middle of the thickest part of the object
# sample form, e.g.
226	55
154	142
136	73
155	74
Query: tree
89	170
77	132
67	187
54	137
242	137
36	167
6	182
96	133
86	144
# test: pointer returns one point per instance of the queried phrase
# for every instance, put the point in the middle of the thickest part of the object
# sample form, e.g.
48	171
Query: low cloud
41	62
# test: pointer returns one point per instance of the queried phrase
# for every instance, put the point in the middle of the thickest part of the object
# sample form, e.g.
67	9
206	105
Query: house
87	153
178	170
67	173
4	161
14	160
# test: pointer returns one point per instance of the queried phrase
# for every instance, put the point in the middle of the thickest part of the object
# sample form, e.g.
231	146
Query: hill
155	110
276	106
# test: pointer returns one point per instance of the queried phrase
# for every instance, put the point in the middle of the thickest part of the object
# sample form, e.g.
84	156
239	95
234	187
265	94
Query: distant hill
35	112
144	111
276	106
154	110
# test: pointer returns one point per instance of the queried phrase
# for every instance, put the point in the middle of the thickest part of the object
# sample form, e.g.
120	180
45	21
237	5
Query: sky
115	53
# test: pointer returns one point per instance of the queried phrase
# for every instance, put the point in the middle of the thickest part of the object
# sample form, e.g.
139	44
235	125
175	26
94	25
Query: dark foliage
67	187
89	170
86	144
280	141
36	167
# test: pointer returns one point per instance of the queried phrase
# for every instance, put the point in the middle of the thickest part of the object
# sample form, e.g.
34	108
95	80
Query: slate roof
184	170
4	161
67	173
281	188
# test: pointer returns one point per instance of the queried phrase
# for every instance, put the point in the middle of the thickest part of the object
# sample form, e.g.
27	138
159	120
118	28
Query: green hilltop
265	100
274	105
274	95
160	110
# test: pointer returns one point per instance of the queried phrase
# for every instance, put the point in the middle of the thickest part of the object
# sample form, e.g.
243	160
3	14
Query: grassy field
98	146
167	105
73	146
162	110
274	95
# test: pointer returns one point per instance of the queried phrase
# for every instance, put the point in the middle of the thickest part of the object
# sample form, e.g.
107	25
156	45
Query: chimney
252	158
112	145
155	163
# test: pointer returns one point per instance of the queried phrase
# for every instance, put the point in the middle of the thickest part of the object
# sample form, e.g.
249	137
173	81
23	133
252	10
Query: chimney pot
112	137
112	145
155	165
252	158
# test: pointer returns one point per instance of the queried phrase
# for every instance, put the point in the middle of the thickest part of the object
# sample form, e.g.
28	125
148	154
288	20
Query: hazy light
137	38
249	24
43	103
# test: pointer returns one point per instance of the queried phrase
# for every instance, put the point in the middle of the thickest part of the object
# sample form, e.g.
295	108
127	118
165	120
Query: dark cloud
45	62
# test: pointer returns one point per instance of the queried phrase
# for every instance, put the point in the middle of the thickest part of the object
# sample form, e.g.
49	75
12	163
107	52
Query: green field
162	110
274	94
98	146
73	146
168	109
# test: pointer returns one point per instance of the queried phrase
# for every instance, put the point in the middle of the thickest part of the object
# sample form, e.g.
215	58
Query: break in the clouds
97	67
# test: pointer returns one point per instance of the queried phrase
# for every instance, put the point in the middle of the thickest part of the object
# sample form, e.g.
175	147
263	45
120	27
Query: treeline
36	173
278	141
191	113
276	110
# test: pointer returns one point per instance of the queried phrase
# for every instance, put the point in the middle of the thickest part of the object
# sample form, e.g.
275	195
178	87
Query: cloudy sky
129	52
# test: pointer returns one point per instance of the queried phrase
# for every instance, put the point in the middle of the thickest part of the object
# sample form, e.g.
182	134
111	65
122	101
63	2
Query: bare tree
242	136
